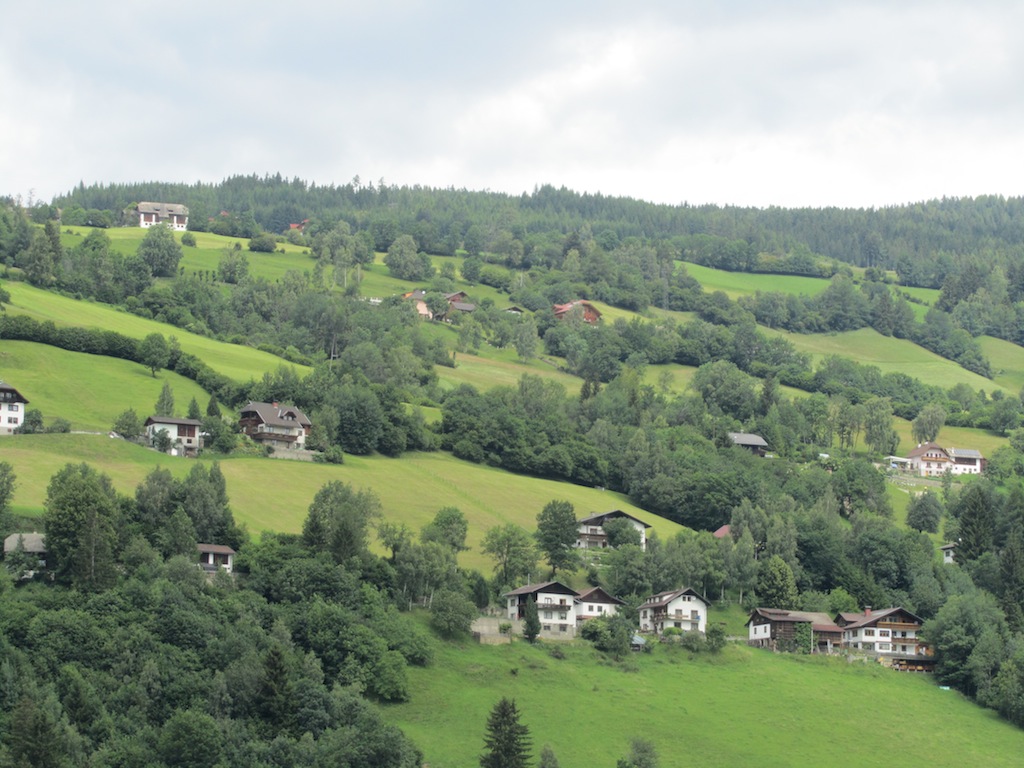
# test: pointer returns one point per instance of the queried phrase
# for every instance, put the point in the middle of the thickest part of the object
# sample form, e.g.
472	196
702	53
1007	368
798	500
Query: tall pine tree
507	741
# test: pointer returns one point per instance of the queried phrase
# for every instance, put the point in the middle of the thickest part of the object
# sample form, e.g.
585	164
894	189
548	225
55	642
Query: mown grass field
745	707
233	360
270	494
735	284
88	390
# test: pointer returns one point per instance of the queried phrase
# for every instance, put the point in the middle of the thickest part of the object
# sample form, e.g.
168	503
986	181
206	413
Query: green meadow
735	284
270	494
233	360
745	707
88	390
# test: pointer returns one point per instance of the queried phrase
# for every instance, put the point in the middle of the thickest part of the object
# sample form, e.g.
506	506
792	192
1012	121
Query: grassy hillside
232	360
735	284
88	390
747	707
269	494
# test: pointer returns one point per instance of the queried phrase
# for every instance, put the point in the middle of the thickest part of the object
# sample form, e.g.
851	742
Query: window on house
883	633
13	407
547	600
12	419
547	627
677	625
869	633
547	615
561	617
563	628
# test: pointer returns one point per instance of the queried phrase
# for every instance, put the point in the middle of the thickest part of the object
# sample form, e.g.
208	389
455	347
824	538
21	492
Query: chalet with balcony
892	634
556	607
174	215
683	609
185	434
776	628
215	557
595	602
279	426
12	409
592	535
931	460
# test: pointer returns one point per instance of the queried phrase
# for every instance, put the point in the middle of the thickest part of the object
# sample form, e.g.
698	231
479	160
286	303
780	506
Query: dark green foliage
128	425
513	552
556	535
263	243
160	251
642	754
609	634
164	405
451	613
339	520
449	527
776	587
507	742
925	512
531	621
32	423
81	518
155	354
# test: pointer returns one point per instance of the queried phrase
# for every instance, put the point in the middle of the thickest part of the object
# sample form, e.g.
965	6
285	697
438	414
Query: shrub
188	239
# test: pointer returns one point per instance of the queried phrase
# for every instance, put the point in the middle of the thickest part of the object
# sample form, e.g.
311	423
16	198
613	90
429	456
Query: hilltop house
216	556
753	443
595	602
12	409
173	215
892	633
931	460
184	433
556	607
276	425
582	307
682	609
776	628
592	534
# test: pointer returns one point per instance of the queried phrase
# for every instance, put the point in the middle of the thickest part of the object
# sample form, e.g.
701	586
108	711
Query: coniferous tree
193	410
213	407
531	621
165	403
507	741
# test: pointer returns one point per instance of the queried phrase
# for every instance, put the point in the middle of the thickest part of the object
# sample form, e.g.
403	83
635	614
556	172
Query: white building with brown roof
173	215
595	602
682	609
931	460
276	425
591	533
556	607
185	434
12	409
893	633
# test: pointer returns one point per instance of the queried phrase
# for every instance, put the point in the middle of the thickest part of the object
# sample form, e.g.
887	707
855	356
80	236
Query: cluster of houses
457	303
282	427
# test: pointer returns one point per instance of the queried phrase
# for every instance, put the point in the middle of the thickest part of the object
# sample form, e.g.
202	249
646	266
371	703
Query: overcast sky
751	103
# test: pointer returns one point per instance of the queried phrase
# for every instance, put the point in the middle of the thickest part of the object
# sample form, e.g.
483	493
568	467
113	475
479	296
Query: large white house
12	409
592	534
682	609
556	607
173	215
890	632
185	434
931	460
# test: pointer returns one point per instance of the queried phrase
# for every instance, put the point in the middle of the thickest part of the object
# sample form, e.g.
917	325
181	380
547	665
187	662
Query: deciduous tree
556	534
513	553
160	251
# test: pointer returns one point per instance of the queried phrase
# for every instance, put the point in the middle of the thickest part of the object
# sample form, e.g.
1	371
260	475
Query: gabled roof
722	532
747	439
944	547
923	448
662	599
163	209
598	595
31	542
173	420
870	619
562	309
276	415
215	549
9	394
547	586
598	518
819	621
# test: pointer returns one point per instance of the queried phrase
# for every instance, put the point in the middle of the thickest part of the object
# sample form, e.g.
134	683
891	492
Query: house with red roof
580	307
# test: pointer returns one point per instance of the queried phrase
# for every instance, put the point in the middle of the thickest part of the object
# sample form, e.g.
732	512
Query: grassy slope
232	360
275	495
735	284
88	390
746	707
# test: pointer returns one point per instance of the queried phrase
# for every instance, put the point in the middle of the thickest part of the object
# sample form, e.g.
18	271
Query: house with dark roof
948	553
456	303
556	607
892	634
214	557
682	609
12	409
185	434
931	460
752	442
276	425
592	534
174	215
776	628
595	602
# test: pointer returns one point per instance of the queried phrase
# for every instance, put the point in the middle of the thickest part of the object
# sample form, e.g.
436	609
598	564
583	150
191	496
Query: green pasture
951	437
735	284
275	494
1007	361
889	354
233	360
88	390
744	707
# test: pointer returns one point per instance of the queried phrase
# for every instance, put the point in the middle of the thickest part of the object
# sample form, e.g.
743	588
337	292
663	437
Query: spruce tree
193	410
507	741
213	407
165	403
531	621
